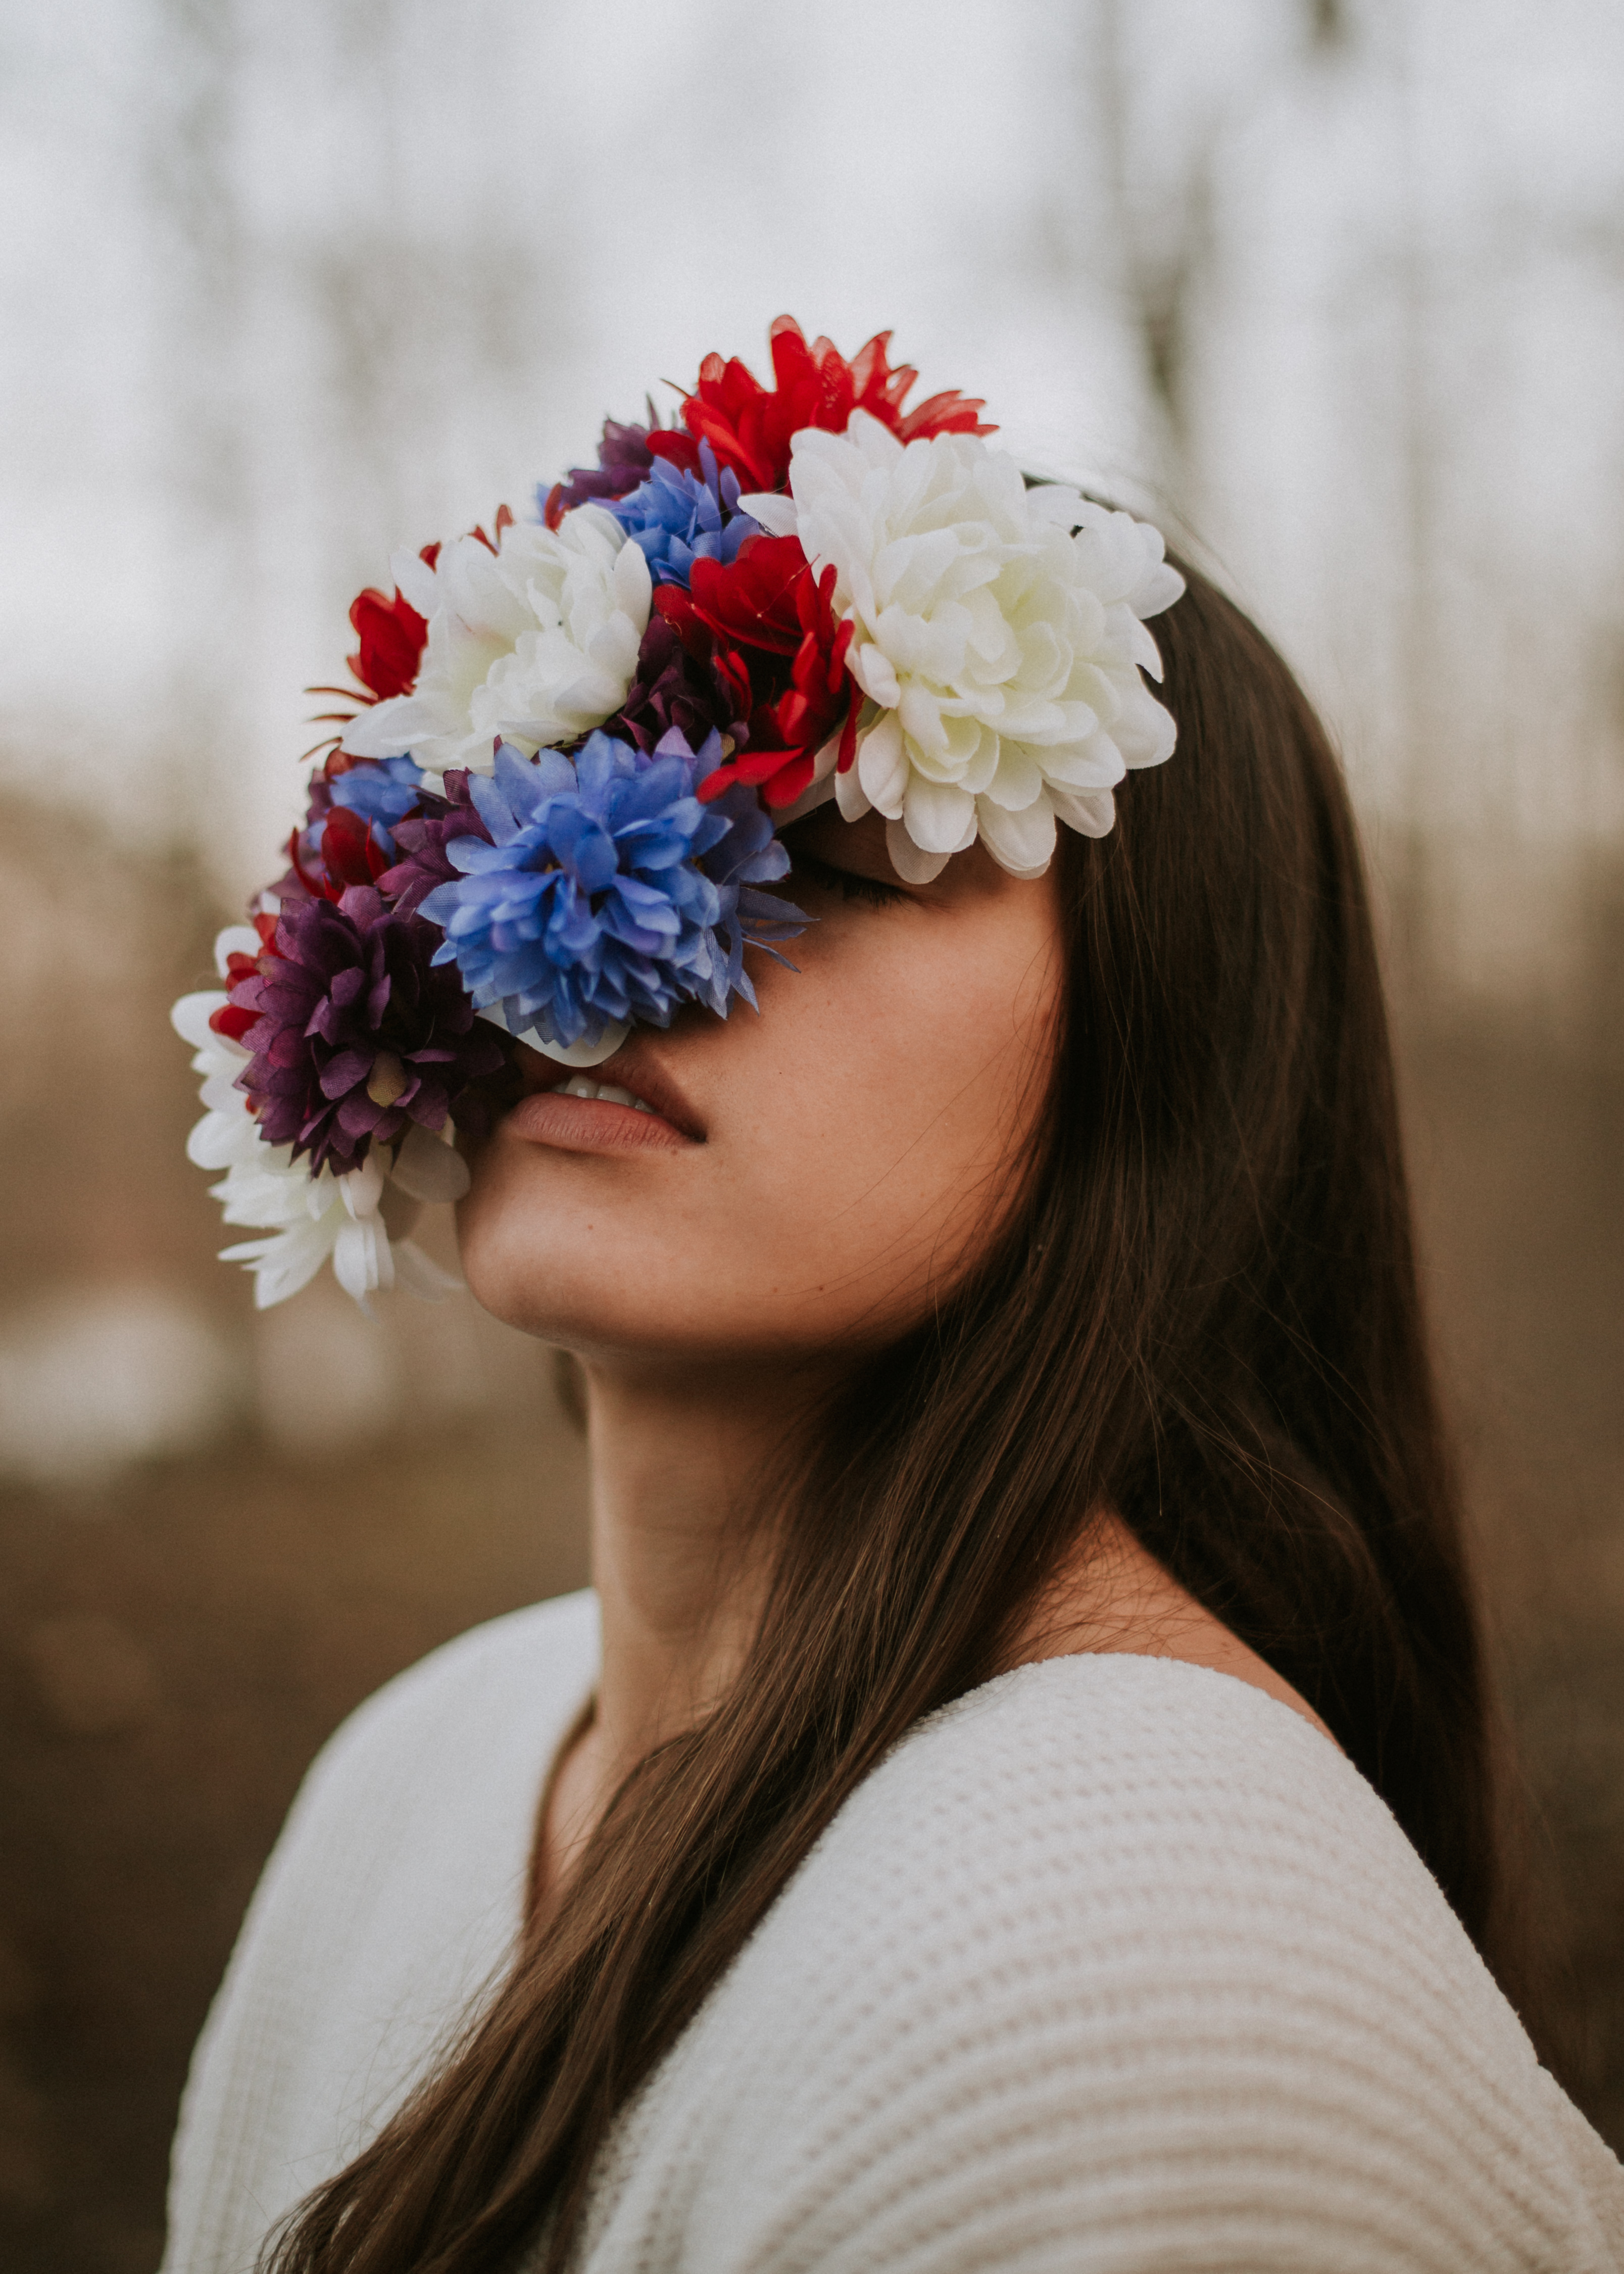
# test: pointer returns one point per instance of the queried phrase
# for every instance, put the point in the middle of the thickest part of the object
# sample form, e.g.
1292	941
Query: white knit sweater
1116	1965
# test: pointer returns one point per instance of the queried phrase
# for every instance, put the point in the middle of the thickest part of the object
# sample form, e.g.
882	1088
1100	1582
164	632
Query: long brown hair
1203	1312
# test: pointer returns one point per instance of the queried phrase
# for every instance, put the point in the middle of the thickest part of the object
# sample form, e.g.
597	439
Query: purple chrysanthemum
422	839
624	460
693	689
357	1034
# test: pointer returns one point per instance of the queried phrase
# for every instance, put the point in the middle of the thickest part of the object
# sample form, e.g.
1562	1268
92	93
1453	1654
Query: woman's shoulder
433	1782
1150	1838
1123	1947
393	1896
1115	1755
1124	1813
523	1664
1176	1789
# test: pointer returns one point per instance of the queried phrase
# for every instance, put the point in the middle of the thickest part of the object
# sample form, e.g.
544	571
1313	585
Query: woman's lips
571	1114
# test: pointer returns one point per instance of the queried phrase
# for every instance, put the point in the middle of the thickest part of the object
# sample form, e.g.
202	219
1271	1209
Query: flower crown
551	808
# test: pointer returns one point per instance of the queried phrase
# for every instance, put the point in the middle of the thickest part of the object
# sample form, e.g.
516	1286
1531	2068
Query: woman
1020	1793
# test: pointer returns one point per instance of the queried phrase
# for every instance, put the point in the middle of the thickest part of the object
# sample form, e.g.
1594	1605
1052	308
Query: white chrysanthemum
535	642
307	1218
999	638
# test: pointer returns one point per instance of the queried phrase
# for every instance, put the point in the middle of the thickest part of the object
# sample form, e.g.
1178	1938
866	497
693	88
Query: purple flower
423	839
623	461
357	1034
695	689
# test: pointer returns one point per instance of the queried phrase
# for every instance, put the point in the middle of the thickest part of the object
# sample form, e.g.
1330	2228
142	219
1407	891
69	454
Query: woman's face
812	1178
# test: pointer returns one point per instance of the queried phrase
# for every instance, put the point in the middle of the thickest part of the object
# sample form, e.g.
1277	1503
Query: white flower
308	1218
535	642
998	638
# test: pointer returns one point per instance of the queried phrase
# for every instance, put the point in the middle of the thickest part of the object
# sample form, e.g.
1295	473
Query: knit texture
1115	1966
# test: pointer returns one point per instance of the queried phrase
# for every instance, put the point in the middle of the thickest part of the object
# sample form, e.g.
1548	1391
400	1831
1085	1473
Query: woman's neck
1111	1595
671	1459
679	1580
678	1576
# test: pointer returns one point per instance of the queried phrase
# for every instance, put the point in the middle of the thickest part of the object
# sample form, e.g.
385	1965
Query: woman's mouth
581	1113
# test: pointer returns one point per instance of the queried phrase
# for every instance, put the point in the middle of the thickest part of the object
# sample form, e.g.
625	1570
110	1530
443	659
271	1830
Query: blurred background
1335	288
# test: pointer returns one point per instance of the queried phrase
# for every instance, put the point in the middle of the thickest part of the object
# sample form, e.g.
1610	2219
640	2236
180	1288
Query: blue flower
381	791
748	855
679	517
608	892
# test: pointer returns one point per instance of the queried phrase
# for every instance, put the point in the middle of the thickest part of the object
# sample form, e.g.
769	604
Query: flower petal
1022	842
189	1019
882	765
936	815
421	1275
850	796
427	1170
1091	812
776	515
914	866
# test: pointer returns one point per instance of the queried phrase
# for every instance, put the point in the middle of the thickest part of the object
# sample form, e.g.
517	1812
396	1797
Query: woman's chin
580	1280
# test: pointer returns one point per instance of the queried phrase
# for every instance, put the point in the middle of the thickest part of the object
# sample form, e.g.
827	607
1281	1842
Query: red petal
350	852
780	775
754	598
789	781
316	886
392	636
230	1020
757	766
751	429
848	732
681	450
945	414
784	336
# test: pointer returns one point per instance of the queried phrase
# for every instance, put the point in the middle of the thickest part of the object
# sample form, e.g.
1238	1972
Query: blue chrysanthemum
381	790
608	892
748	856
678	518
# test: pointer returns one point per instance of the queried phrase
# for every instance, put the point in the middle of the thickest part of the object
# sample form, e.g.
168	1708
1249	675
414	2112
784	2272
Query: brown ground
175	1642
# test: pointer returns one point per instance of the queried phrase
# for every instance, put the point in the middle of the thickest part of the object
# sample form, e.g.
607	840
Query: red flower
232	1018
392	635
823	694
350	854
751	601
767	603
751	429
